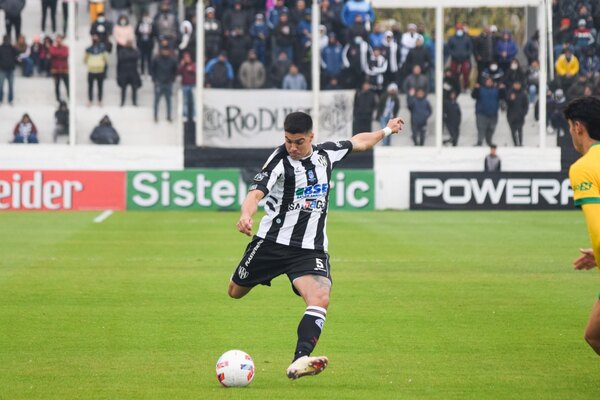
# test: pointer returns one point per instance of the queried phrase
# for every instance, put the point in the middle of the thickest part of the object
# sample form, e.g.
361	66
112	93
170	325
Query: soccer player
583	116
291	238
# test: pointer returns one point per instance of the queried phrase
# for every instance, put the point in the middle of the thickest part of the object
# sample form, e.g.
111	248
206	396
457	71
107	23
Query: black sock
309	330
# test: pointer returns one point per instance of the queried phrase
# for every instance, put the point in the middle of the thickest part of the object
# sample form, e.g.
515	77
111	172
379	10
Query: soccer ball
235	368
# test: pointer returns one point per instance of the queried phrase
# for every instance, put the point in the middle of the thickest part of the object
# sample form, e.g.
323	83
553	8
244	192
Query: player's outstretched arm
249	207
366	140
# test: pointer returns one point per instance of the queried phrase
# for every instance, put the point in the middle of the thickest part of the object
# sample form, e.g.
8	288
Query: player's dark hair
298	122
586	110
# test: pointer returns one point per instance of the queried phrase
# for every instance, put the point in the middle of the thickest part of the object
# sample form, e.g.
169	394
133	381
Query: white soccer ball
235	368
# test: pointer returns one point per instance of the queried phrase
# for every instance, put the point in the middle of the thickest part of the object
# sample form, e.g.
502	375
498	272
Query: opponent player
583	116
291	238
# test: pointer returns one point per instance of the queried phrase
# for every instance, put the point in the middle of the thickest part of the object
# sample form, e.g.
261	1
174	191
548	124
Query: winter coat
59	59
294	82
252	74
8	57
365	102
104	134
96	58
517	105
331	59
415	82
487	100
382	103
420	110
13	8
163	70
564	66
418	56
127	67
188	73
236	19
452	113
508	46
352	8
484	48
219	74
277	71
460	47
123	34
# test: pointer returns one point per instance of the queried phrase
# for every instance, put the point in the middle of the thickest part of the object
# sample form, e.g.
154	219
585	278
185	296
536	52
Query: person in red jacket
59	65
187	70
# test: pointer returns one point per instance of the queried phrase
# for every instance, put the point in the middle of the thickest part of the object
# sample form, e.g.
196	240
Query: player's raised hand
244	225
586	260
395	124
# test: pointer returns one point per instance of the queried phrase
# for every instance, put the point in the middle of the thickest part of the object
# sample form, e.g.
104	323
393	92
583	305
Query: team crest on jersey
311	176
338	145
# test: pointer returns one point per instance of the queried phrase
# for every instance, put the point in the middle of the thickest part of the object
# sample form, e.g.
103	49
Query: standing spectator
517	105
283	37
420	56
589	63
187	70
582	38
145	42
103	29
420	111
275	12
219	72
484	50
506	50
333	84
452	117
532	48
252	72
555	108
358	7
259	32
357	29
578	87
49	6
123	32
36	52
415	81
329	18
389	49
127	71
294	80
140	8
331	58
514	73
567	68
279	69
354	57
25	131
388	108
119	8
303	36
408	42
377	36
164	72
486	109
493	72
96	60
238	47
188	39
492	163
59	65
235	19
450	84
365	103
24	56
213	32
8	63
65	13
461	49
376	67
533	80
61	120
166	25
563	36
12	15
45	56
296	14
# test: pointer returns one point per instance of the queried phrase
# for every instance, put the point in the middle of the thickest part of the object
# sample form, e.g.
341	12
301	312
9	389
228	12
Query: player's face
298	145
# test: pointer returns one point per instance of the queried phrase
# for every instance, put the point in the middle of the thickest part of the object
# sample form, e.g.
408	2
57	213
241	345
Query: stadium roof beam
543	16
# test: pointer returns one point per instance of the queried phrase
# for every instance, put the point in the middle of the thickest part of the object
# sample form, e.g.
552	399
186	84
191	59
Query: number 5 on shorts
320	266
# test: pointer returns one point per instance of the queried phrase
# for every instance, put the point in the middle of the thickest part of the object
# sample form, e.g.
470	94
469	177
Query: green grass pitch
425	305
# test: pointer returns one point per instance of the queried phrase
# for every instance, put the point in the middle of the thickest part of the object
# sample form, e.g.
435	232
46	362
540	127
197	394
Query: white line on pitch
103	216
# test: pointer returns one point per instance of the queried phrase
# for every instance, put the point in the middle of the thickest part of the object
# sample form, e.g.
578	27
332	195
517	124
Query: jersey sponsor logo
251	256
261	175
318	190
308	205
583	187
242	272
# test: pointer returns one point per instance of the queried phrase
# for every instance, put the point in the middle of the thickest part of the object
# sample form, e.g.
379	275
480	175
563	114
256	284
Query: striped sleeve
336	151
585	185
267	177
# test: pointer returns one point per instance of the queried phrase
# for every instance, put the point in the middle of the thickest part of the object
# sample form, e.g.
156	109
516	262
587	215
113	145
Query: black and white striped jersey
297	194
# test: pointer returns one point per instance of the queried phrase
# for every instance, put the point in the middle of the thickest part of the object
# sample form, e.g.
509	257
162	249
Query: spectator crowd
256	44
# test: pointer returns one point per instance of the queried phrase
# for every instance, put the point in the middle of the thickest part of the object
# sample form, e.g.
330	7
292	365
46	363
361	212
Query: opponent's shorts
264	260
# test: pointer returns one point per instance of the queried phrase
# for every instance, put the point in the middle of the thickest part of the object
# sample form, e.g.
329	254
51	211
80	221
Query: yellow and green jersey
585	178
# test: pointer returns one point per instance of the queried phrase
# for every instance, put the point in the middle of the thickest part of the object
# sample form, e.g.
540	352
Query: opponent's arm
366	140
249	207
588	257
